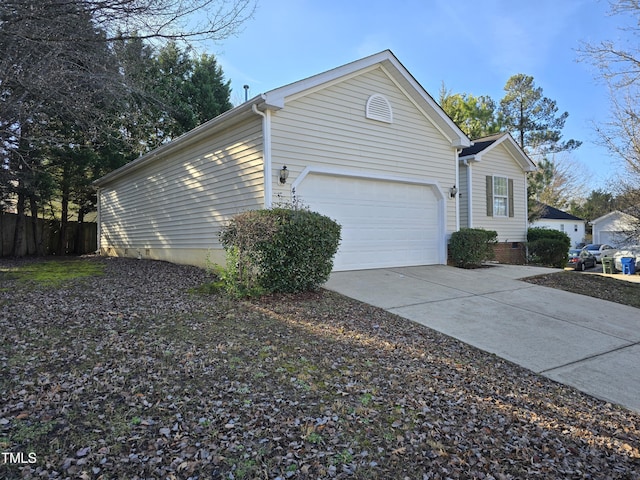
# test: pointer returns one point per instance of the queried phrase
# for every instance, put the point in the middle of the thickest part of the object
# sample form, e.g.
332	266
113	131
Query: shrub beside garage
278	250
470	247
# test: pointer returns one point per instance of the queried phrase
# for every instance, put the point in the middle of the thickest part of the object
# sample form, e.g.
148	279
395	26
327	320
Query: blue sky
473	46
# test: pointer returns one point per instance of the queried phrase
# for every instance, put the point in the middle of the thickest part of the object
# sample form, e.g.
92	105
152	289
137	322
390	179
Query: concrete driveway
590	344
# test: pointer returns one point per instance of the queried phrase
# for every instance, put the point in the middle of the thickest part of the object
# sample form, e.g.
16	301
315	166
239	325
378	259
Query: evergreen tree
476	116
208	92
532	118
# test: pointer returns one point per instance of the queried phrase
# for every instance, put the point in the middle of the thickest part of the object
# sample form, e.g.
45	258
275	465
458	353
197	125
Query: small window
500	197
379	108
562	227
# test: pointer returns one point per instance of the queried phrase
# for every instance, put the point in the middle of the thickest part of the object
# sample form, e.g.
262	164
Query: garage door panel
384	223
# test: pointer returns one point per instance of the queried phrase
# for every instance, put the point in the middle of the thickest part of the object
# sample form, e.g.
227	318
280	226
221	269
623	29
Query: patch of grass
314	437
345	456
208	288
26	431
53	273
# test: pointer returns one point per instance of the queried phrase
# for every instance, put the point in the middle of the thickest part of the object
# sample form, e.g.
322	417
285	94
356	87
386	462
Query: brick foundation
513	253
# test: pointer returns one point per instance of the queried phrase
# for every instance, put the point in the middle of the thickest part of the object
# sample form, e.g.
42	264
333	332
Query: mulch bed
605	288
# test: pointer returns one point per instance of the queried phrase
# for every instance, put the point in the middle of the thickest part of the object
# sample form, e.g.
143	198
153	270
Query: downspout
99	220
526	218
266	153
469	193
457	196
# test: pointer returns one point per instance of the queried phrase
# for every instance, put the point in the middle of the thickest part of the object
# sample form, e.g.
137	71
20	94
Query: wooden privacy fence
80	237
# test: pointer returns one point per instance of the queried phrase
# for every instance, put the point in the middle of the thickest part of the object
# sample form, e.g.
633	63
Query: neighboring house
555	219
615	228
493	192
363	143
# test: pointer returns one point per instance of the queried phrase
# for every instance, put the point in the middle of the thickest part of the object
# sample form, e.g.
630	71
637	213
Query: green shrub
242	238
279	250
548	247
538	233
469	247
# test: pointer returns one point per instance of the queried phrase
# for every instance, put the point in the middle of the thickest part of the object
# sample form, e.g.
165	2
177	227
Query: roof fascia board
186	139
389	64
513	149
454	134
280	100
519	156
623	216
458	137
278	95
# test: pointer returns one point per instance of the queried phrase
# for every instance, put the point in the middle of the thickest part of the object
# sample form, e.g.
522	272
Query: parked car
596	250
581	259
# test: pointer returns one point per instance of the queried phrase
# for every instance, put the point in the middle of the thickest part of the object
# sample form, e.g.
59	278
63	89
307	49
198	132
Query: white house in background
363	143
555	219
615	228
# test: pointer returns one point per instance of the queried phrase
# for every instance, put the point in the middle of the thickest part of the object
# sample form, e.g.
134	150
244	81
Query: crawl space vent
379	108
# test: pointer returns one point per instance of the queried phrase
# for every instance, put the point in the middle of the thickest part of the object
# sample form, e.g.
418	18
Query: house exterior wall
328	128
611	227
574	228
498	162
173	208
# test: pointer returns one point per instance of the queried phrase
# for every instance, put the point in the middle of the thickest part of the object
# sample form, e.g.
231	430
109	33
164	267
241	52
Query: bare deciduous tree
618	65
61	86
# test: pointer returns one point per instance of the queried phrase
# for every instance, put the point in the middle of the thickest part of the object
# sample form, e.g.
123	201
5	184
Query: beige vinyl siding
181	201
463	196
499	163
328	127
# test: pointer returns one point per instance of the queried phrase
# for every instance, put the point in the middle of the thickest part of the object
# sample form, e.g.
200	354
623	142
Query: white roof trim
513	149
221	121
390	64
612	214
275	100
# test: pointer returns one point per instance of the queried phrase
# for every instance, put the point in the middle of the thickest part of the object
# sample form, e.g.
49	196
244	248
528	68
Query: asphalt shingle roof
552	213
480	144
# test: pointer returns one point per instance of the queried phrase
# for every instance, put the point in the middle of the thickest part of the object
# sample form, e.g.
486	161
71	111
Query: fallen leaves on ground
127	375
598	286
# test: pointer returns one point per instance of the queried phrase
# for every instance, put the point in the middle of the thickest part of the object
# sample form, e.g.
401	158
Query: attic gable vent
379	108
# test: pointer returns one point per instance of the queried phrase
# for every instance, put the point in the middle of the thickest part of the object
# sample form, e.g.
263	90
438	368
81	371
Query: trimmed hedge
548	247
279	250
469	247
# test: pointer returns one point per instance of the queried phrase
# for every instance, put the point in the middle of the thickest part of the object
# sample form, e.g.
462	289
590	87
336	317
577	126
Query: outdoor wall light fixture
284	174
453	191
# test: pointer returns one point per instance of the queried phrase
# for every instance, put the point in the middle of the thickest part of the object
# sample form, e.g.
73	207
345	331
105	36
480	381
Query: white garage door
384	223
607	237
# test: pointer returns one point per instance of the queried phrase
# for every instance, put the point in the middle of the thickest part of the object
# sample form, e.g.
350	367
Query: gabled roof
482	146
615	213
552	213
277	98
400	75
